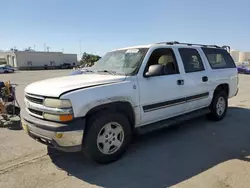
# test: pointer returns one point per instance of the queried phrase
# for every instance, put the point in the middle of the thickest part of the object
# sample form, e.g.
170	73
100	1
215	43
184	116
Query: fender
84	100
84	88
110	101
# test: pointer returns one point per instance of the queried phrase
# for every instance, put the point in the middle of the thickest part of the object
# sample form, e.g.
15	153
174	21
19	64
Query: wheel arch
222	87
123	107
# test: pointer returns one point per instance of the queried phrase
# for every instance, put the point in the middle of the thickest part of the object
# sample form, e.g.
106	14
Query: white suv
132	89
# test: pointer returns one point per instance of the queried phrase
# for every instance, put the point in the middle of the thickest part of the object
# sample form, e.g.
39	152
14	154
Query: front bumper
65	137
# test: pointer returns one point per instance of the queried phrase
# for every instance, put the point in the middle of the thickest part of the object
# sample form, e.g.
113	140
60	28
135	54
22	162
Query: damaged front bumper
65	137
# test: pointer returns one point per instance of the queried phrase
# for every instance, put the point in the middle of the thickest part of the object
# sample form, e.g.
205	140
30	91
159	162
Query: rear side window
191	60
218	58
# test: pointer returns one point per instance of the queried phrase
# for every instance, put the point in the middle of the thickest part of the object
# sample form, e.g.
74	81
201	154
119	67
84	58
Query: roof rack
226	48
190	44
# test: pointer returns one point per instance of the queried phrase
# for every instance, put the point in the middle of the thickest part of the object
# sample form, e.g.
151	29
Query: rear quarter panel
221	76
229	76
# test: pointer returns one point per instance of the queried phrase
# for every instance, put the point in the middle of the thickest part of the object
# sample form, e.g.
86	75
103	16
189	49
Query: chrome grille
39	113
34	106
34	99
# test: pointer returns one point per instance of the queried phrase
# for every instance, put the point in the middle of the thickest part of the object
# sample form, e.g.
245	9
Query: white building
37	60
244	56
239	56
235	55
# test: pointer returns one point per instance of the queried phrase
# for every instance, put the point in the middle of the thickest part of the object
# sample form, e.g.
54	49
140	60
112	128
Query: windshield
123	62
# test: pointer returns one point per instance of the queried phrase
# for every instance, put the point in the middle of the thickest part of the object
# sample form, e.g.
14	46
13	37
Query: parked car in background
247	70
66	66
8	67
244	68
4	69
240	68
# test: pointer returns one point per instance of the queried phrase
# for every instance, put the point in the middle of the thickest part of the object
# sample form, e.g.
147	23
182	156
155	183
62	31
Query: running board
172	121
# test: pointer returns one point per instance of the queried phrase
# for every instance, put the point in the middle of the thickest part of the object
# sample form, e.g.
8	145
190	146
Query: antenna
45	47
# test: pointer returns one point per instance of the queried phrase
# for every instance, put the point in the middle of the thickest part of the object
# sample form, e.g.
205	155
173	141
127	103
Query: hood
56	86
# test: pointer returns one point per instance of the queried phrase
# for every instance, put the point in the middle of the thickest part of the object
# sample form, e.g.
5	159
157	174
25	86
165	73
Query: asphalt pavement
197	153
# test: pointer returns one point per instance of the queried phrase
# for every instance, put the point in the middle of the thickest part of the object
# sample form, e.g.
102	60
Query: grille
39	113
34	99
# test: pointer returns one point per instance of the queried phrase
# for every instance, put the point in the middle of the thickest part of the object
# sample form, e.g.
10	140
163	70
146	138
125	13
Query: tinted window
219	58
165	57
191	60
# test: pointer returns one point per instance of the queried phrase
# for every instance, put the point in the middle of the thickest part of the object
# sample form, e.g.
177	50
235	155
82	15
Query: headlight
57	103
58	110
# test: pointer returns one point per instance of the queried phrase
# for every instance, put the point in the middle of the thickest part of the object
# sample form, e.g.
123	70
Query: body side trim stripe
165	104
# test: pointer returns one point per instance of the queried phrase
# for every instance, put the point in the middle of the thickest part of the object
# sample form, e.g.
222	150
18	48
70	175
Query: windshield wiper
110	72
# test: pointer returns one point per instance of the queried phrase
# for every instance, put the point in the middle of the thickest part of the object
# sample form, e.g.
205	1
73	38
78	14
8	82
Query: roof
132	47
176	44
151	45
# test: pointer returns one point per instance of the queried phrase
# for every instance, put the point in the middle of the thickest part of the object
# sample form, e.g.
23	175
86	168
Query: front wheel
218	106
107	137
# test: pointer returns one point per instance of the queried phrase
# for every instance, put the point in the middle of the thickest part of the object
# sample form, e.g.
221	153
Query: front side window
219	58
123	62
165	57
191	60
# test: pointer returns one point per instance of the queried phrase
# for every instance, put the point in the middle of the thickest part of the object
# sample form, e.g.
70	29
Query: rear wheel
218	106
107	137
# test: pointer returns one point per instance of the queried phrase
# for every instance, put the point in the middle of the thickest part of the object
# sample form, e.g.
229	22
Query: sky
77	26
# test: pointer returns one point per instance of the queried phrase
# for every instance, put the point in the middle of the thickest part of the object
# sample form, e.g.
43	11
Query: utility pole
80	47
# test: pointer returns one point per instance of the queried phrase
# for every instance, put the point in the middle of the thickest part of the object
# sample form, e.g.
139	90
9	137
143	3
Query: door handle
180	82
204	78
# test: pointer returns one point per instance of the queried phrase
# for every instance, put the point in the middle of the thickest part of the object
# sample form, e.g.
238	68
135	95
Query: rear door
222	69
196	78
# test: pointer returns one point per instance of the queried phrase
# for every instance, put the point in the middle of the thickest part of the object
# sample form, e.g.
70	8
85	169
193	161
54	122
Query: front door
161	96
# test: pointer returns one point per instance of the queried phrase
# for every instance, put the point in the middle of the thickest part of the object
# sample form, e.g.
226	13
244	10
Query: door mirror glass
154	70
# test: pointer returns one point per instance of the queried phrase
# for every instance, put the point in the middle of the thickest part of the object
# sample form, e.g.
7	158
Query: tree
89	59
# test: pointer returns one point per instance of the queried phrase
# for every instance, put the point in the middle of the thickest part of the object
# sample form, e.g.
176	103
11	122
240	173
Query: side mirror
154	70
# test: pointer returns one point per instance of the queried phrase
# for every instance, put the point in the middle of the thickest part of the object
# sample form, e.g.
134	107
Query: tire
99	132
6	72
216	114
